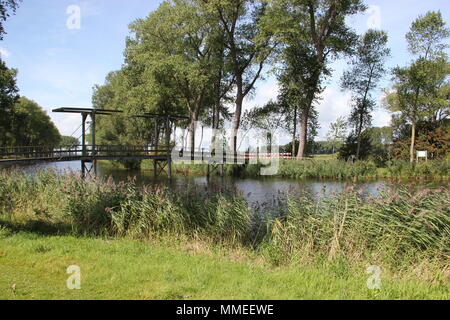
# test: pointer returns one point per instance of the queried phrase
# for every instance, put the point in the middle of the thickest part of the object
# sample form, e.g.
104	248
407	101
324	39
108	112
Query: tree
419	90
248	47
268	119
4	6
8	98
314	32
416	95
433	137
337	134
348	149
426	36
69	141
32	126
179	53
367	69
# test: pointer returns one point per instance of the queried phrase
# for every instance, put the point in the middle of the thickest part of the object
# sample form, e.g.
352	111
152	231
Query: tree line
22	121
202	58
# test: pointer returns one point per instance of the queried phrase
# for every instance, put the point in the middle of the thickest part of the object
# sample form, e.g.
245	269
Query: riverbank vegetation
405	233
328	167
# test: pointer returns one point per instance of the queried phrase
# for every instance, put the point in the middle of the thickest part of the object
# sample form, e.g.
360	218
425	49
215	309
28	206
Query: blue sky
59	66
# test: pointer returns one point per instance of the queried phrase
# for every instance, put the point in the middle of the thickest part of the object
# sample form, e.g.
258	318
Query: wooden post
83	134
169	157
83	144
155	146
94	151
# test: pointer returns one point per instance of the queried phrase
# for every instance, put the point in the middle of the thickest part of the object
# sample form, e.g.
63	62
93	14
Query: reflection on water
258	192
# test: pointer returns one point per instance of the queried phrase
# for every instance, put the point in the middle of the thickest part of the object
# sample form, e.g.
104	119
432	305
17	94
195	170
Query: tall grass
400	231
334	169
397	229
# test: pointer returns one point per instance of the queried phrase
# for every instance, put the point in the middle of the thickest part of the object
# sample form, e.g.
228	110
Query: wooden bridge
161	155
91	153
86	154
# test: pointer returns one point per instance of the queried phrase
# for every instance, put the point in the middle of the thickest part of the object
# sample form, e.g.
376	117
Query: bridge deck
22	155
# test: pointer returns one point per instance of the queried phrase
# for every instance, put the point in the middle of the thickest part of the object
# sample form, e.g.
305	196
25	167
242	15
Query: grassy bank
336	169
328	168
407	235
129	269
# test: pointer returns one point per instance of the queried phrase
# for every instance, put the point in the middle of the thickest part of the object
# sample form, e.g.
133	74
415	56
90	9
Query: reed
399	231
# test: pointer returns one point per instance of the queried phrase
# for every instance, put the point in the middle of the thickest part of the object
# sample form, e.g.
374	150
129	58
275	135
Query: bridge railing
227	156
39	152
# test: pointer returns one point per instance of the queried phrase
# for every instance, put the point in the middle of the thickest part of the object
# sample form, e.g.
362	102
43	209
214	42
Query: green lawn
130	269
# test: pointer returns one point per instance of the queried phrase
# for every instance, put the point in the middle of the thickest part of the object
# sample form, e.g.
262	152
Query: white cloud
265	92
334	104
4	53
67	124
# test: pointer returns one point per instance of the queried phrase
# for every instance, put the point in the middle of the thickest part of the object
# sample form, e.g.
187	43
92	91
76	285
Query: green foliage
398	231
350	146
6	5
32	125
69	141
420	91
427	34
8	97
173	269
396	227
326	169
366	72
336	134
434	168
433	137
311	35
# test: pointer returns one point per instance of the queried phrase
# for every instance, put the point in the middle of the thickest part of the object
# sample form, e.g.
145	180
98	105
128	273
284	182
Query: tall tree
5	6
427	35
177	42
367	69
32	125
417	93
315	32
248	47
337	134
416	87
8	98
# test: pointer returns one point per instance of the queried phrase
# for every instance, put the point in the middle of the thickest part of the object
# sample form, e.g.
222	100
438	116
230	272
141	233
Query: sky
62	48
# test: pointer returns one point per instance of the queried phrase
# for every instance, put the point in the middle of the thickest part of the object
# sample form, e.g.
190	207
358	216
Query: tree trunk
192	137
237	114
216	111
201	141
194	119
294	135
303	134
413	142
305	112
359	130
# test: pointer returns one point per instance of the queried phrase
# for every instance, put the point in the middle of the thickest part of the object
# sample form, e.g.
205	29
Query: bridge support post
83	144
83	169
155	146
94	149
169	153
